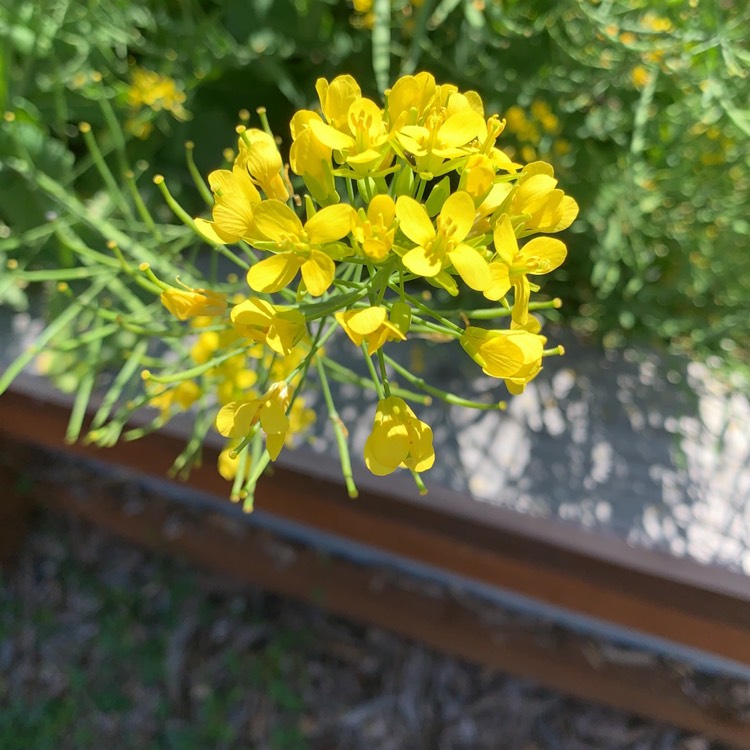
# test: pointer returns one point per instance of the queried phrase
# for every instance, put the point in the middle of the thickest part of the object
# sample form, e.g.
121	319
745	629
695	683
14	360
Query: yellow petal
364	322
422	454
414	221
378	469
237	417
499	282
261	158
273	418
420	262
506	245
274	444
389	443
330	137
546	253
318	272
330	224
567	213
286	331
366	118
301	120
458	210
336	97
471	267
212	234
312	160
460	128
522	295
343	321
382	210
276	221
501	358
252	312
233	210
274	273
533	189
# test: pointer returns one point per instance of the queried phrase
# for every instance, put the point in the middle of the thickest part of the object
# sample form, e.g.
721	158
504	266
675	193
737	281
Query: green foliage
652	140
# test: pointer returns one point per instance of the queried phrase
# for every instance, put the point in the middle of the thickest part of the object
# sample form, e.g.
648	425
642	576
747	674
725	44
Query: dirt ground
103	644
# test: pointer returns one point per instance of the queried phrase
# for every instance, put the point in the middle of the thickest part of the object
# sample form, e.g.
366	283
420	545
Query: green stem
193	372
106	174
116	132
260	460
118	384
432	313
384	374
86	338
373	374
501	312
200	183
83	394
49	333
419	482
192	451
345	375
141	207
449	398
339	431
236	493
62	274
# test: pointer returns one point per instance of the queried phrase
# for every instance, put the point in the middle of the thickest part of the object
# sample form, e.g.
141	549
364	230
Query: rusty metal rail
678	600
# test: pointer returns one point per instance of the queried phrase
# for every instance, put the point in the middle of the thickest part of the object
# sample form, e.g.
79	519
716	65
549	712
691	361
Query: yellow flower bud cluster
430	198
152	91
537	132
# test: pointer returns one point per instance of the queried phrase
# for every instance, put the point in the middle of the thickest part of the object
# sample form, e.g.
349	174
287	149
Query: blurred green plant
643	109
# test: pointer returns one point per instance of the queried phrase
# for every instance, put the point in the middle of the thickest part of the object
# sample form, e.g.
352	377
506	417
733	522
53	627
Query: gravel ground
103	644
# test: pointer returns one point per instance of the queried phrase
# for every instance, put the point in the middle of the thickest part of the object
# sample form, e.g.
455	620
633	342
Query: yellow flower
229	464
545	207
237	418
512	265
156	92
310	248
640	76
398	439
311	159
183	395
440	248
187	303
515	356
371	325
409	100
515	118
279	327
375	230
336	98
364	142
235	196
477	176
233	379
441	138
259	155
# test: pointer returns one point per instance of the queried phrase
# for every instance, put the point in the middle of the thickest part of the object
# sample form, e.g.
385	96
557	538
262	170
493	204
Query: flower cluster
429	199
152	91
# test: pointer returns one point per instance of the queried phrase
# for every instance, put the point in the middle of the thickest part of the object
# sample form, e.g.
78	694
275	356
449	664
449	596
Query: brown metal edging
252	556
678	600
